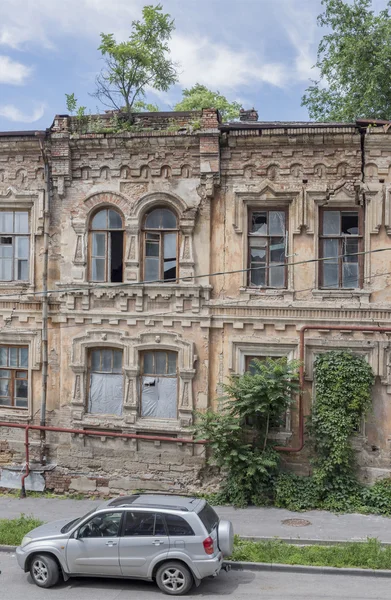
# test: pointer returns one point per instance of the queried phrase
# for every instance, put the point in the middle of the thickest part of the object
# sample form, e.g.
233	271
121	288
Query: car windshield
74	522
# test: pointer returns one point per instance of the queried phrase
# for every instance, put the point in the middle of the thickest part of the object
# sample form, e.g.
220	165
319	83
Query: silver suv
174	540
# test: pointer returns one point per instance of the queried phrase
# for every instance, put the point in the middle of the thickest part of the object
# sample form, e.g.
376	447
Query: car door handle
157	542
111	543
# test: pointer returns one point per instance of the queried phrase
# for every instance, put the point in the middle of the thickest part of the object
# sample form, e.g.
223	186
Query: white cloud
40	22
219	66
12	113
12	72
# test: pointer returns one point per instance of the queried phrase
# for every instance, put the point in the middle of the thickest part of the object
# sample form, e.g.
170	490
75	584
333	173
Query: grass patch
12	531
364	555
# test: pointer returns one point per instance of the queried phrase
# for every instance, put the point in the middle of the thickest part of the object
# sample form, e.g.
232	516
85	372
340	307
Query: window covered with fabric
106	246
105	381
159	384
160	245
267	238
14	376
14	246
341	240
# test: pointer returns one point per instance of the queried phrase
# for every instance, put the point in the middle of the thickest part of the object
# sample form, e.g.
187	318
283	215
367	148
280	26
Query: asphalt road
236	585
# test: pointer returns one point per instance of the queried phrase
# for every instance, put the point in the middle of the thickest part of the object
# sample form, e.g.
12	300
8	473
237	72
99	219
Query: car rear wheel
174	578
44	571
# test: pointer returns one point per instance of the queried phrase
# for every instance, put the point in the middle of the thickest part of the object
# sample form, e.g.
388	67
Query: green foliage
354	60
364	555
141	61
239	435
71	103
343	384
12	531
141	106
199	97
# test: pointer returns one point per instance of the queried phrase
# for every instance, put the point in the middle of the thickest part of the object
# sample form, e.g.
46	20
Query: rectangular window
142	524
340	240
14	246
267	248
14	376
282	422
159	385
105	382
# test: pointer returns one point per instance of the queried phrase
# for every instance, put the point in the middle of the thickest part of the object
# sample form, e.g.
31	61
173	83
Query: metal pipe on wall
305	328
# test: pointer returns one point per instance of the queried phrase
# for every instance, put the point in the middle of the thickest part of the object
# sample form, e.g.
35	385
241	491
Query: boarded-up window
159	385
106	382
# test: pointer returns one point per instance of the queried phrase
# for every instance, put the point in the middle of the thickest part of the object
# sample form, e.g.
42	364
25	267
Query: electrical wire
124	285
222	305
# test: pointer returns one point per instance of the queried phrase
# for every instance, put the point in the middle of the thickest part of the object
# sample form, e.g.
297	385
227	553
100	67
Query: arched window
160	245
106	246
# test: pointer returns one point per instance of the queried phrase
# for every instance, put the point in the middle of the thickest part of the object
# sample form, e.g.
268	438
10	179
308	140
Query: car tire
44	571
174	578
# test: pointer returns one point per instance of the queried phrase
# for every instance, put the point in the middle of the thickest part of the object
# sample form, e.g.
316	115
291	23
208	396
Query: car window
140	523
101	525
209	518
178	526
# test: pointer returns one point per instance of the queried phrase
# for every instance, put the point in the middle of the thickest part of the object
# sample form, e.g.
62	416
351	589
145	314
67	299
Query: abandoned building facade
176	253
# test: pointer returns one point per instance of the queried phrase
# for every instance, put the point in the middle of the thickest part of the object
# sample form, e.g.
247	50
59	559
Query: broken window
14	376
105	382
340	241
159	384
107	246
14	246
160	245
267	240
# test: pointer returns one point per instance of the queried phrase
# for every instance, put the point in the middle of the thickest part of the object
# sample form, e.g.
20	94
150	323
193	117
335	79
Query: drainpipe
45	300
302	374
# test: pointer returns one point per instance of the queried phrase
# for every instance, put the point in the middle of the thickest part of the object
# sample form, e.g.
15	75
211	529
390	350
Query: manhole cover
296	522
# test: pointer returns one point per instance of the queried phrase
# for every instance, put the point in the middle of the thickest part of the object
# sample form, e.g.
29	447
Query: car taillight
208	545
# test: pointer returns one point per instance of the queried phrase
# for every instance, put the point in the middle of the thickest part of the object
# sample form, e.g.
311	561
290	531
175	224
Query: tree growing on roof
199	97
142	61
354	62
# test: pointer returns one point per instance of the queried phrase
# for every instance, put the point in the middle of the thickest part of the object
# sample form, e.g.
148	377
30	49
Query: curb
304	541
4	548
251	566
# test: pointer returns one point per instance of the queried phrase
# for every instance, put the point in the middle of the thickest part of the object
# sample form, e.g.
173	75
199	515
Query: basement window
106	247
159	385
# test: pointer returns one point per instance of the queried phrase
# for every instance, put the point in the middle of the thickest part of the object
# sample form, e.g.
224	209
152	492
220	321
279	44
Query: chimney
248	115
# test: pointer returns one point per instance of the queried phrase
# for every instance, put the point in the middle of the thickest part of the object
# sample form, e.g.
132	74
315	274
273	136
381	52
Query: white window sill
280	436
255	292
362	295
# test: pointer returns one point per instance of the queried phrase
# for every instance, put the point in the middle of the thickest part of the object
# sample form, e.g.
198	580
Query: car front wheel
174	578
44	571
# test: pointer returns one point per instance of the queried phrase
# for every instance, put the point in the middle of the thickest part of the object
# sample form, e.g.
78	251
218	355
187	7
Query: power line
246	302
124	285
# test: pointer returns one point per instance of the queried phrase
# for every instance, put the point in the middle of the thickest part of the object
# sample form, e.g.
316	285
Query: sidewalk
258	522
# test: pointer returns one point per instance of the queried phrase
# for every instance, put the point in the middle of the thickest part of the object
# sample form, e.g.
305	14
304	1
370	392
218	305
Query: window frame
143	374
90	371
161	232
267	209
15	235
13	378
155	513
107	257
361	240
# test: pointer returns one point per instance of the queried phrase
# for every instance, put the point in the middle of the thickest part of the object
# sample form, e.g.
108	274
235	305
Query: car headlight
26	540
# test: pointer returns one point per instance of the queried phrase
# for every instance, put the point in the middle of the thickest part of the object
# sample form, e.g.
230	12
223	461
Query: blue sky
259	52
